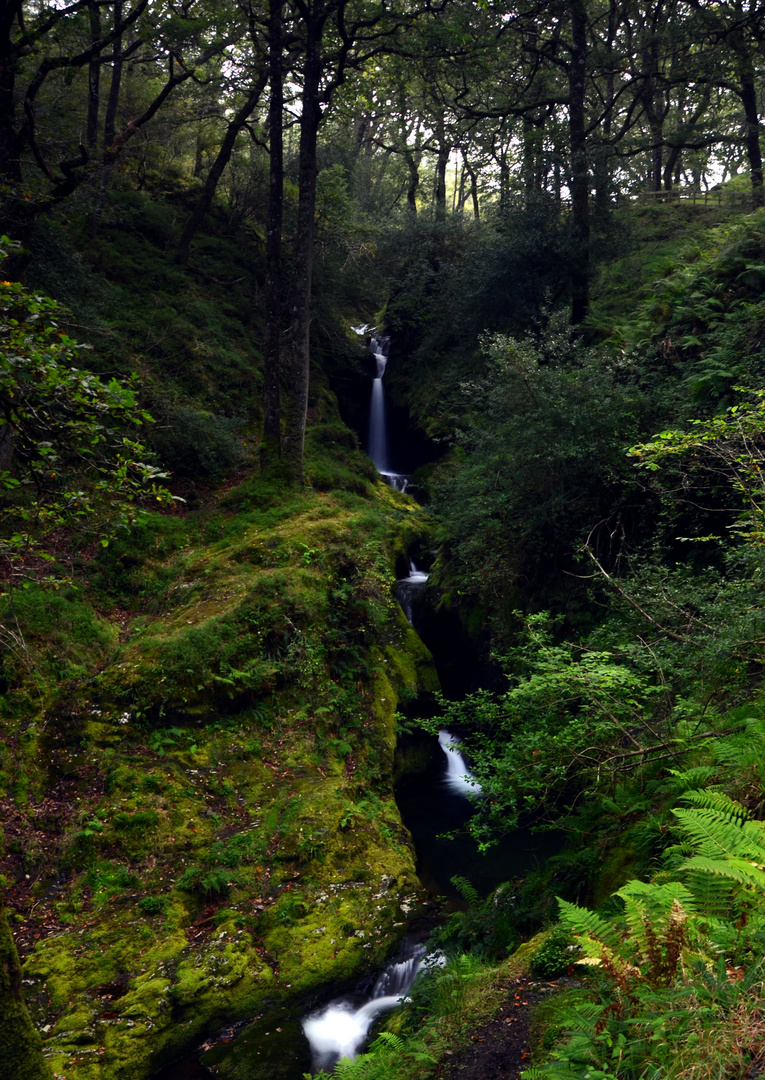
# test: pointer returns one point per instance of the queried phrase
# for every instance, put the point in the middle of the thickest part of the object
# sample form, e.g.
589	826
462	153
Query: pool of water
430	809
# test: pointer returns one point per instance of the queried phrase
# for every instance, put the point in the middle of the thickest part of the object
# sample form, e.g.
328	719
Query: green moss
244	735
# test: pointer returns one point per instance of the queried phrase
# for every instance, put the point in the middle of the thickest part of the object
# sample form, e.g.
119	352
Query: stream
436	801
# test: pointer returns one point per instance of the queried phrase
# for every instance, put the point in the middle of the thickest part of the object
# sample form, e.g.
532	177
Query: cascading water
340	1029
459	778
378	433
409	588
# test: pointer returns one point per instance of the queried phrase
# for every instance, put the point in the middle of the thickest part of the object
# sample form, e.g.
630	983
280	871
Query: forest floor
501	1048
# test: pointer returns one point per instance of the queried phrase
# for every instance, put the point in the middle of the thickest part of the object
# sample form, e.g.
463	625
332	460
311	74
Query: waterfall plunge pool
438	799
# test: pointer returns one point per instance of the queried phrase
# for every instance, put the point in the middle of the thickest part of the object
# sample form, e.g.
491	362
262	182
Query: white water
407	589
340	1029
378	437
459	778
378	431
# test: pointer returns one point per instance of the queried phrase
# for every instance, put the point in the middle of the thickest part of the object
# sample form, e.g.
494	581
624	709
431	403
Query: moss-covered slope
198	819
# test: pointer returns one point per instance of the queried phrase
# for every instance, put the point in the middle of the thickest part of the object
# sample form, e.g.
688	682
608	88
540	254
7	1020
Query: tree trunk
17	214
442	161
10	165
7	446
473	190
580	208
753	150
271	444
671	166
21	1056
94	78
296	361
113	100
221	161
412	164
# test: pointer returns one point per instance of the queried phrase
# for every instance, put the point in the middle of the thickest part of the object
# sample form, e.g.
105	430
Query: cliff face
198	817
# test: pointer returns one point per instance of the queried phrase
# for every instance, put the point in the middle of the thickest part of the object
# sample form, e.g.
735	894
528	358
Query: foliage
387	1056
69	458
572	718
487	928
728	447
554	956
537	459
680	970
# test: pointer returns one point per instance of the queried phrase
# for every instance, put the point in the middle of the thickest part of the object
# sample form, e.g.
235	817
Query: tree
334	36
38	47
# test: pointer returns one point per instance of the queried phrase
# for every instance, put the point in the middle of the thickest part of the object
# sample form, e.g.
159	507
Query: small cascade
409	588
340	1029
459	778
378	432
378	435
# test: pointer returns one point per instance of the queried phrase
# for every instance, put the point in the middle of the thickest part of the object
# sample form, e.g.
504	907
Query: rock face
200	825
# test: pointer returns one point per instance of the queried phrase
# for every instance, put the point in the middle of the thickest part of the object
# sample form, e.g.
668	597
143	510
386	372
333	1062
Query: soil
500	1049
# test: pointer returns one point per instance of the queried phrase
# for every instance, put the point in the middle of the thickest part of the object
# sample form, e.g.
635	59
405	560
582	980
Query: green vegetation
556	214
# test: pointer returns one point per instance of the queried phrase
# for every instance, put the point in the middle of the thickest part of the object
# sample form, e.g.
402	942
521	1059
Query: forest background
555	211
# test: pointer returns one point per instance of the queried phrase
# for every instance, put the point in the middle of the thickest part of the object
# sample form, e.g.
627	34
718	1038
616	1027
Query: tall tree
32	56
334	36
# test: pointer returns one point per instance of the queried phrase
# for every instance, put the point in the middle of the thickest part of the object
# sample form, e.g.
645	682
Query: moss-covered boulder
203	827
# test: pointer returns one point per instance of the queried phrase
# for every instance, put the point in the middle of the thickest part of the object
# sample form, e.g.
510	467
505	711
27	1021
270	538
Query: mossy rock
233	843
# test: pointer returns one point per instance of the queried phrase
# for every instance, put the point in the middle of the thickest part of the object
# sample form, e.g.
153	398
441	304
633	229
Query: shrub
554	955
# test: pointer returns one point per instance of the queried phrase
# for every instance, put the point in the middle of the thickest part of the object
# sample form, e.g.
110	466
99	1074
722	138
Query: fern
387	1040
588	924
684	780
739	870
718	833
466	889
711	799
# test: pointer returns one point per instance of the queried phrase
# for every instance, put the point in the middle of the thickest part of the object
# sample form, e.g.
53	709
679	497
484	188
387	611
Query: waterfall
378	432
378	435
408	589
340	1029
459	778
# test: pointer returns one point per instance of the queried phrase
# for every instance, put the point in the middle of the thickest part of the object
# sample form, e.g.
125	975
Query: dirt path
500	1049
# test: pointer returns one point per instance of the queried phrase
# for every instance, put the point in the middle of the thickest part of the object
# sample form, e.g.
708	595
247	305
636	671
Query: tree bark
113	100
10	166
442	161
21	1056
296	362
94	78
271	444
473	190
413	183
753	149
580	203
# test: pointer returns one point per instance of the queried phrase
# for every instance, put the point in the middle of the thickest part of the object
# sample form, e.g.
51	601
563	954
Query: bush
553	957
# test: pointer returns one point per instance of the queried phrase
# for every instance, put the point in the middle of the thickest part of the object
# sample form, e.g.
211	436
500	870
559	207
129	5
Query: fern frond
388	1040
716	895
658	899
735	869
710	799
647	904
466	889
587	923
684	780
716	833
